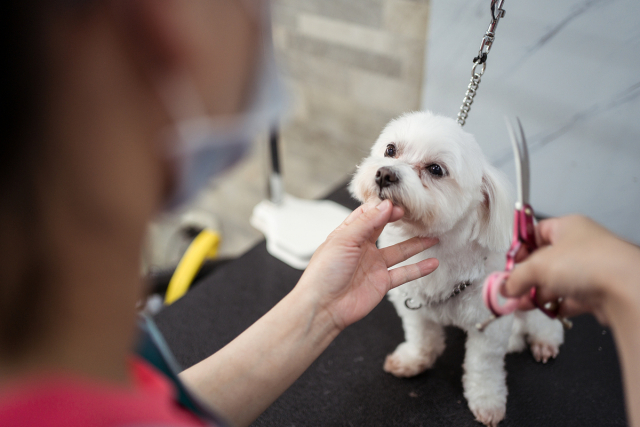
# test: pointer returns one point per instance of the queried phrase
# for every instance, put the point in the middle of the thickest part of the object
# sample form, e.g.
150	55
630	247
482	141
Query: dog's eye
390	151
435	170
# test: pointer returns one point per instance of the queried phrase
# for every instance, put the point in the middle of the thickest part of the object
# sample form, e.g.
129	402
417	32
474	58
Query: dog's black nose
386	177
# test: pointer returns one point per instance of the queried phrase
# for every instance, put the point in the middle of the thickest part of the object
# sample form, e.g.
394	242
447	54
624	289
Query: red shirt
63	400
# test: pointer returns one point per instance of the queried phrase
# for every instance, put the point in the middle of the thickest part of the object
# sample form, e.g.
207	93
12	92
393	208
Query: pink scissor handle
551	308
493	299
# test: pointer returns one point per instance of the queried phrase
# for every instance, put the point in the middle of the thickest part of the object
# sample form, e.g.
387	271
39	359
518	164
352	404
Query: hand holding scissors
523	239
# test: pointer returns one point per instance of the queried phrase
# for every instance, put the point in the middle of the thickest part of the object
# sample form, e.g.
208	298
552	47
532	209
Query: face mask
204	146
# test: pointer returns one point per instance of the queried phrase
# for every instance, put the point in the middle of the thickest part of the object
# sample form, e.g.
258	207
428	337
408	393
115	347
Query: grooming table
346	386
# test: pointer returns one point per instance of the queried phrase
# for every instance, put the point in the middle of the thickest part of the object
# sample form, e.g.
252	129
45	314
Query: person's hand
580	261
348	275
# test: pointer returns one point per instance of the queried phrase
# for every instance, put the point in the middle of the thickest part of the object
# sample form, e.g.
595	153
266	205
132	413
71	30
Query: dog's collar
410	302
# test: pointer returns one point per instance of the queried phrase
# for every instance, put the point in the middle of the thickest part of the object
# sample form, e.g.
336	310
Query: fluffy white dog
437	173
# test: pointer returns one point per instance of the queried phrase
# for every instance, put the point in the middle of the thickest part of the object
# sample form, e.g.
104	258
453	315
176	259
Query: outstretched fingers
407	273
405	250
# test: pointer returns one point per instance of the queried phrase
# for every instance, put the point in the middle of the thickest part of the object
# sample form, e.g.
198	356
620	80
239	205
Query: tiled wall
351	65
570	70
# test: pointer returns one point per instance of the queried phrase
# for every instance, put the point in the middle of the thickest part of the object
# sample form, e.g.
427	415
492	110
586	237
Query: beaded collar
409	302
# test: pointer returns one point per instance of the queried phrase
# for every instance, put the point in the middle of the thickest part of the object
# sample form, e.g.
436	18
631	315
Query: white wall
570	69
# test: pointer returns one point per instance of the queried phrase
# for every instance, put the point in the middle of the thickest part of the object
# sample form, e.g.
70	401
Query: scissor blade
521	157
524	160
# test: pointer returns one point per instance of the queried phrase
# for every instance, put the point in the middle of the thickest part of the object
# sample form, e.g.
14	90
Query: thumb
524	276
369	222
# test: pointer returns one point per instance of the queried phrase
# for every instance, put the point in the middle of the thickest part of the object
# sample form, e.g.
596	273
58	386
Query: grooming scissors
523	236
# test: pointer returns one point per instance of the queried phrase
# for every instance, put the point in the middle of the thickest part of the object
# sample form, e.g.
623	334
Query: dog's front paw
543	351
487	412
409	360
544	335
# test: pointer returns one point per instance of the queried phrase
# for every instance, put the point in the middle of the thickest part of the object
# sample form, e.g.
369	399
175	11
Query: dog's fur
470	210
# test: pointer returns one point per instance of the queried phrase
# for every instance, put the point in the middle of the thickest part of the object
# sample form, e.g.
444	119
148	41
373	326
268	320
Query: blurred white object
294	228
153	305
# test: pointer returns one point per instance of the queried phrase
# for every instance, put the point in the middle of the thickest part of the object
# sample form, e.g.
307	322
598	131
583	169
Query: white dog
437	173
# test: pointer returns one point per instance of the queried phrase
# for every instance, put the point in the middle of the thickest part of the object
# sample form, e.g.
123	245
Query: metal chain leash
497	12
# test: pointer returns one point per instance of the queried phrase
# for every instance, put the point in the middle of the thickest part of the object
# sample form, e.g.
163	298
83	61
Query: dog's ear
496	211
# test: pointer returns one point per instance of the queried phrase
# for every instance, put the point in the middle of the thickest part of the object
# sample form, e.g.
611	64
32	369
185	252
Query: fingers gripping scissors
523	236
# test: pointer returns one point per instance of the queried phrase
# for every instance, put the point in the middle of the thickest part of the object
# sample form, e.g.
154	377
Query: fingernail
432	263
384	205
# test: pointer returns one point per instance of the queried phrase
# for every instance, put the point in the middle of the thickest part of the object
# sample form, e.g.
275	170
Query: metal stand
294	228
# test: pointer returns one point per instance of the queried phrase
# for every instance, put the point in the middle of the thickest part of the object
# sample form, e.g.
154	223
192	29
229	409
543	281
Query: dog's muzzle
385	177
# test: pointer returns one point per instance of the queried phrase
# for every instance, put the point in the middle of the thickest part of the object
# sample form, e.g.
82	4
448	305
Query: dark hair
21	285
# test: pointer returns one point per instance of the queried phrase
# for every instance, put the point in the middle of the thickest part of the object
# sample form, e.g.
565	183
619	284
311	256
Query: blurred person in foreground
117	109
114	111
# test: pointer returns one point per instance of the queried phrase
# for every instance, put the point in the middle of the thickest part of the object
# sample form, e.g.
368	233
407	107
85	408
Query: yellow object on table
203	247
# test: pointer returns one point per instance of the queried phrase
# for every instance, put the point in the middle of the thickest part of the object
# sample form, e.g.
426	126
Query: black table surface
346	385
